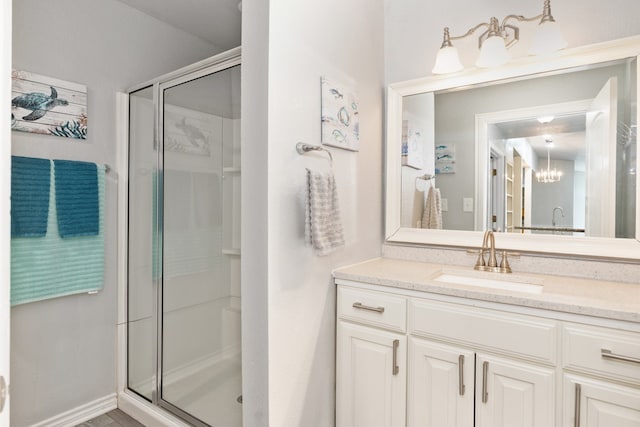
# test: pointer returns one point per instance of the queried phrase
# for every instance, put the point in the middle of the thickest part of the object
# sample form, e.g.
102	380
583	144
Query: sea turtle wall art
192	132
340	120
48	106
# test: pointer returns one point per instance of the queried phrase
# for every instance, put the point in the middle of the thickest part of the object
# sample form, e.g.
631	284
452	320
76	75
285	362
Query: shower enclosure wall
183	296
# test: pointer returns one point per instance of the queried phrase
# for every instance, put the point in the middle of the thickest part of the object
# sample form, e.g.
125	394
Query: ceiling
215	21
567	133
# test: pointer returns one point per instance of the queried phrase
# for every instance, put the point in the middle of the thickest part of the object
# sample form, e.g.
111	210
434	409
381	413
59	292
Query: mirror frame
598	247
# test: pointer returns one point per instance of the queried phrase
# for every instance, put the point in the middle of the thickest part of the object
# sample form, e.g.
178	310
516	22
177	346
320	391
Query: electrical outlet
467	204
444	205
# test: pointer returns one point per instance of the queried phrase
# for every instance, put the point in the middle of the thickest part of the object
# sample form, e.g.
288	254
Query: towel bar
303	148
426	177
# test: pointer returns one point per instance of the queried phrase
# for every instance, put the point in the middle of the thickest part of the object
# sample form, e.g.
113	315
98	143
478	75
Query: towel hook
303	148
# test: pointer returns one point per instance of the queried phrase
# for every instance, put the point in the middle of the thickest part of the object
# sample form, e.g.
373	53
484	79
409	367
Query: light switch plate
444	205
467	204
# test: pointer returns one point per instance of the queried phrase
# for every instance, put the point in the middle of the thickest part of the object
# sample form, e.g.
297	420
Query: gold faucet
491	240
489	243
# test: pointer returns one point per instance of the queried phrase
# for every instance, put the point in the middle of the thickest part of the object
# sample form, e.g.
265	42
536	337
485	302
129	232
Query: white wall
63	350
254	222
305	40
413	28
5	202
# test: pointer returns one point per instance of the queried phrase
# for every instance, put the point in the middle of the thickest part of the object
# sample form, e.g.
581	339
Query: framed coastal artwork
340	121
445	158
417	147
48	106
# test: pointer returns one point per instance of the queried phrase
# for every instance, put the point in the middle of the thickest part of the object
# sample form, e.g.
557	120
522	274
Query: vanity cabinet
513	393
440	385
372	372
601	384
483	365
371	364
443	390
404	359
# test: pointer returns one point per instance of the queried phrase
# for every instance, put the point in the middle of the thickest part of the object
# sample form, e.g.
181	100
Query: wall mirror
541	151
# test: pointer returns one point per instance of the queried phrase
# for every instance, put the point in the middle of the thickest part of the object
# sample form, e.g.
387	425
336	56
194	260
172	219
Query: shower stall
183	290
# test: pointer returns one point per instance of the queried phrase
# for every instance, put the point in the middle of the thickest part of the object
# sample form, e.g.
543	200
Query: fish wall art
48	106
445	158
340	120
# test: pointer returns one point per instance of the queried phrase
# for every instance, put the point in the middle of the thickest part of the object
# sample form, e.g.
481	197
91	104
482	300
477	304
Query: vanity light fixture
497	38
548	175
545	119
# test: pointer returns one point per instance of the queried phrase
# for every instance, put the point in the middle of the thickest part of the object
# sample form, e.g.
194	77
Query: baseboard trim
82	413
146	413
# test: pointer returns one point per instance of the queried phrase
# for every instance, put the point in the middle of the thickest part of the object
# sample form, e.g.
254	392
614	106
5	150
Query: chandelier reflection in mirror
497	38
548	175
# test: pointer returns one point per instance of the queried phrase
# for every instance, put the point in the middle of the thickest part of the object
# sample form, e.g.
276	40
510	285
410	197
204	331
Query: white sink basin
491	280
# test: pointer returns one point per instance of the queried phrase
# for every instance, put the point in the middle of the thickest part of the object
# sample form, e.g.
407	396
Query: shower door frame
129	399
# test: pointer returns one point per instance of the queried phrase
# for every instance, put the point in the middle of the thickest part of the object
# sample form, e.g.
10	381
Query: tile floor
115	418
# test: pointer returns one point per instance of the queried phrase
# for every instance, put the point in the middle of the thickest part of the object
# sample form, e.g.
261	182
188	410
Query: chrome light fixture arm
448	61
467	34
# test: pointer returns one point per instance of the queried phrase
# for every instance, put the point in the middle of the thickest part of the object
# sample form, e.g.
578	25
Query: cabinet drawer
528	337
583	351
372	308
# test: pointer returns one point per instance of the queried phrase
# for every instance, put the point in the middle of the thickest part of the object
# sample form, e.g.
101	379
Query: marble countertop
611	300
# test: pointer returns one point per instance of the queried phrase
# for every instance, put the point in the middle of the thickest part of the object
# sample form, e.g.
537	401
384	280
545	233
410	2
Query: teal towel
52	266
30	182
76	198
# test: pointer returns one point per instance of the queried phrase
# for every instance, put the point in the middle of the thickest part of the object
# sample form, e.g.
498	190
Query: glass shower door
200	364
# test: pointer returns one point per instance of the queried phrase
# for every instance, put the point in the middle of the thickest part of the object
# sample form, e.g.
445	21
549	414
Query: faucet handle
504	264
480	264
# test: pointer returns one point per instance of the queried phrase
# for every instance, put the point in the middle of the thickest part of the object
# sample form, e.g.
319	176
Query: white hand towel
432	215
323	228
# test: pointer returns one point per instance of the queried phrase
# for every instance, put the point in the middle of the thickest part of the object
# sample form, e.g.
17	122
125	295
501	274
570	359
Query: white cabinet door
440	386
371	377
599	404
513	394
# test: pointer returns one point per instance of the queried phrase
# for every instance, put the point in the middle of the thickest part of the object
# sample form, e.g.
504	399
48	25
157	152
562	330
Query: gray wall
455	115
63	351
413	28
284	283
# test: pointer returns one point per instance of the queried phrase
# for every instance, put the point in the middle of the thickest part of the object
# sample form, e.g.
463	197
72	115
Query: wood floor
115	418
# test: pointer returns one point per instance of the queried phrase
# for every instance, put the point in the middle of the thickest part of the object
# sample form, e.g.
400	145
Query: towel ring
303	148
425	177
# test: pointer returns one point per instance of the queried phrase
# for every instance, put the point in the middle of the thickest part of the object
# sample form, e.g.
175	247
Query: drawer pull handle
576	406
396	368
368	307
461	375
607	354
485	371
